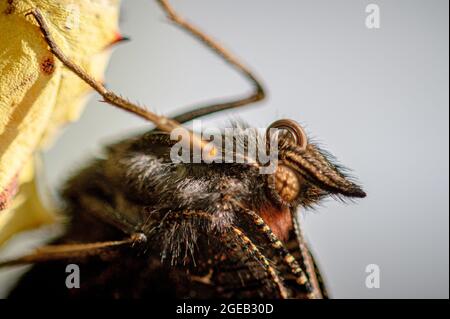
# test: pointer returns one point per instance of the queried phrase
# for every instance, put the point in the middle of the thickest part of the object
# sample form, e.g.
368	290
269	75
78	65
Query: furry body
201	242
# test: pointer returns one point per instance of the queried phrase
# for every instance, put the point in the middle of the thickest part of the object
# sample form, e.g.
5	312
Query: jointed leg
108	214
162	122
73	251
293	265
258	91
278	246
248	247
309	262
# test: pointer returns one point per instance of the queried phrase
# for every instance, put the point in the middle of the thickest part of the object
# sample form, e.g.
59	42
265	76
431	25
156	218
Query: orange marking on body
278	219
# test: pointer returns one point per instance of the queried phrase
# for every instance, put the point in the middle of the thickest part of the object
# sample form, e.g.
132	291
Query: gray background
377	99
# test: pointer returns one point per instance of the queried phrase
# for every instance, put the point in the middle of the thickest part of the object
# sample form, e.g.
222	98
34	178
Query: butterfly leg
162	122
318	286
74	251
257	93
108	214
251	248
233	233
278	246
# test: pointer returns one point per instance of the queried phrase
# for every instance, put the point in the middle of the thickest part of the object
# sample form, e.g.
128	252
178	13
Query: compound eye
287	183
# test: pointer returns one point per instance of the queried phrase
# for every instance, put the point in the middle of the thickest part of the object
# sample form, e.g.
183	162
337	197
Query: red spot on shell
48	65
